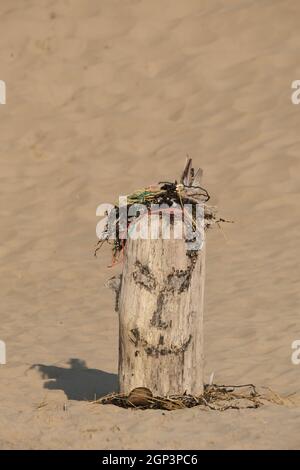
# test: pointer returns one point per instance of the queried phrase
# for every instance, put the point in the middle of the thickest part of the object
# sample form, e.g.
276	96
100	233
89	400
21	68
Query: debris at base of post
215	397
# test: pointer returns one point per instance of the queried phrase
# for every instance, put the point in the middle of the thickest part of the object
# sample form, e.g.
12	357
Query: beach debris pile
171	197
214	397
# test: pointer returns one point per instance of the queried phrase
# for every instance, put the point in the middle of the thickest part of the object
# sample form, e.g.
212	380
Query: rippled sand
104	97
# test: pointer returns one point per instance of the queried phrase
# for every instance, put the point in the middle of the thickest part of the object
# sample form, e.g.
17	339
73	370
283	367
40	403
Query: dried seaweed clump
172	195
215	397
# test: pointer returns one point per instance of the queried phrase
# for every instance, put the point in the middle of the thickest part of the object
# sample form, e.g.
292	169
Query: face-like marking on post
177	282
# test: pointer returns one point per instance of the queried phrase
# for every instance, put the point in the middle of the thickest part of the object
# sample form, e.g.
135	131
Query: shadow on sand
78	381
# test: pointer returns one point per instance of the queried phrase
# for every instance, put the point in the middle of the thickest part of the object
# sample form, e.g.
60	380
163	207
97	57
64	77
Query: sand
104	97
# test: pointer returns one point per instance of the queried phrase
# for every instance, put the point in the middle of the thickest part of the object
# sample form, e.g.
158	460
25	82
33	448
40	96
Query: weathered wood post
161	318
160	305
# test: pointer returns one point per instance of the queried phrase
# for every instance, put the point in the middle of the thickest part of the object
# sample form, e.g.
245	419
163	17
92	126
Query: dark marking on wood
144	277
159	350
118	292
136	336
178	281
156	351
115	283
156	319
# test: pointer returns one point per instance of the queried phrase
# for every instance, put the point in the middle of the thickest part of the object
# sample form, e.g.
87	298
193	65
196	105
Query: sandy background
104	97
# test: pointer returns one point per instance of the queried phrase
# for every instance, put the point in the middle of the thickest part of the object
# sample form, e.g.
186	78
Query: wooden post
161	318
159	298
160	305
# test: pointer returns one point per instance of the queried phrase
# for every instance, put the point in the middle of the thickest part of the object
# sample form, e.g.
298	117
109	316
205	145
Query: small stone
140	396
